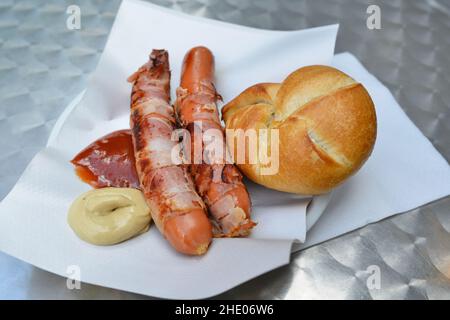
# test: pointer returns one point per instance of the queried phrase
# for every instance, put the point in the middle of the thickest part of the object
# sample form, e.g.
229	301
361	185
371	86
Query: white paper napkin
33	216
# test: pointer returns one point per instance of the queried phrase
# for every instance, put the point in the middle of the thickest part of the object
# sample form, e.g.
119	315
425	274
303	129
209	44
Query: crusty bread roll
327	128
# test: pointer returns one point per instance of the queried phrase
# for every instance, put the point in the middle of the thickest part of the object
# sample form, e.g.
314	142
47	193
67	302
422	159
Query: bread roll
327	128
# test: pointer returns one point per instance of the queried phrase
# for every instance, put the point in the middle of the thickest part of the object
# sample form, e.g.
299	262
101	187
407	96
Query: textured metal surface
43	65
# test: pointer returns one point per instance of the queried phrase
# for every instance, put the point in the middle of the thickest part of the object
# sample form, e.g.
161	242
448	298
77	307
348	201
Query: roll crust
327	128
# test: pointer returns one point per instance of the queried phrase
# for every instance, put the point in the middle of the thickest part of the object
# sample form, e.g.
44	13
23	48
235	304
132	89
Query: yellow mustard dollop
109	215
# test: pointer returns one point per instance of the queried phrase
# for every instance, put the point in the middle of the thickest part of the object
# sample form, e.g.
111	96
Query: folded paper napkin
404	172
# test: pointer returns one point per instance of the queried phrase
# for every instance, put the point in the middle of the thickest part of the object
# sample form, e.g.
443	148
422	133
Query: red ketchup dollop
108	162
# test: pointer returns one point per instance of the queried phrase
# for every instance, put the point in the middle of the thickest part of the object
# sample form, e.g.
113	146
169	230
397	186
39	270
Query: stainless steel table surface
43	65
